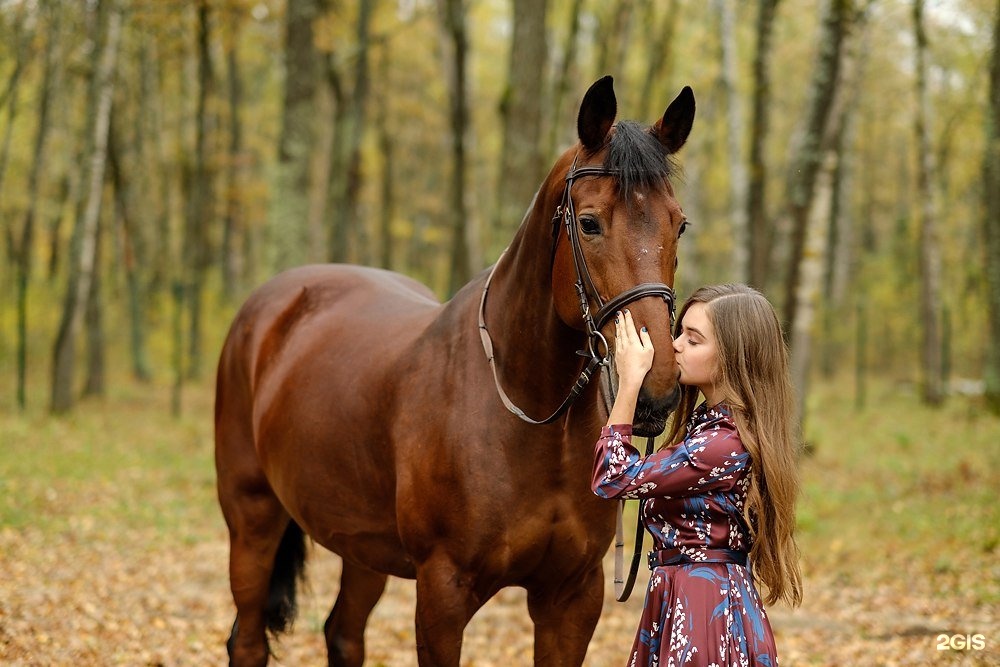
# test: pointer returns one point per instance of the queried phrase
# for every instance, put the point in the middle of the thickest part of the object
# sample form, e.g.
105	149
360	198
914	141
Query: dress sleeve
712	460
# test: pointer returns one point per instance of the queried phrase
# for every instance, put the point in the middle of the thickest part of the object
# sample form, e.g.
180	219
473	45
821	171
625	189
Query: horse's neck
535	349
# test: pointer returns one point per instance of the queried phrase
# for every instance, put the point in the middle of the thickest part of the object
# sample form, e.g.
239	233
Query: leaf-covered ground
112	550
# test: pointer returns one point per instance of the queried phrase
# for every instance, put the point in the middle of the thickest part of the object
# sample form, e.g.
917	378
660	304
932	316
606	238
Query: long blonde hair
753	376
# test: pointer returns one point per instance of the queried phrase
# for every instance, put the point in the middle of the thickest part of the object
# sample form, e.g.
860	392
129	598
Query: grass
122	464
903	487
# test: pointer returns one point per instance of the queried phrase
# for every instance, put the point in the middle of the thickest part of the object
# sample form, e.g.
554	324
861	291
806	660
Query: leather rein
593	323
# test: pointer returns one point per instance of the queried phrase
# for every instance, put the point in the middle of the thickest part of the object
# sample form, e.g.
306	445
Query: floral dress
701	608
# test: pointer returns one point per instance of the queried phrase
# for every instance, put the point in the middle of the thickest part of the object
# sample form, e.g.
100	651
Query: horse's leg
360	590
565	619
257	523
256	528
446	601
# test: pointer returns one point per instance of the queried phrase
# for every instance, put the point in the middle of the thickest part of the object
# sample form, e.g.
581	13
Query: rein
586	290
623	587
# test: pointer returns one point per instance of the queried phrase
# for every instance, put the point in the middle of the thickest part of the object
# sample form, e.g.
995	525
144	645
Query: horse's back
328	293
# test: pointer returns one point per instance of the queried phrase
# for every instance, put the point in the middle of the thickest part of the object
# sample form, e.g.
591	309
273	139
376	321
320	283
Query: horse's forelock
638	157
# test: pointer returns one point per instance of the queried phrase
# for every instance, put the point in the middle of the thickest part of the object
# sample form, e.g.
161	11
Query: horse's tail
289	565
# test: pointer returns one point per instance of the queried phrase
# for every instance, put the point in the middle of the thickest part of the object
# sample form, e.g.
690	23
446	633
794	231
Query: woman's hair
753	377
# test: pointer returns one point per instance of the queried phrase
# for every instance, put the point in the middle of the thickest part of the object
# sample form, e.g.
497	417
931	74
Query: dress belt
677	557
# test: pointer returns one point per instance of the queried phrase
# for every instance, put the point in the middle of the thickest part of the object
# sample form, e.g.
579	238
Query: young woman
719	499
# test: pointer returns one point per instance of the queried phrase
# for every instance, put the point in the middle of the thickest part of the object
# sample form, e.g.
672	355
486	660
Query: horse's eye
590	225
684	226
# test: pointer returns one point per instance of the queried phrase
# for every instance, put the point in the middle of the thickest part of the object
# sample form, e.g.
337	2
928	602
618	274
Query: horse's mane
638	157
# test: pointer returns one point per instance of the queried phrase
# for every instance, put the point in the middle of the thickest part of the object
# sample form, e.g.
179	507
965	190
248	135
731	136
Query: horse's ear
673	129
597	113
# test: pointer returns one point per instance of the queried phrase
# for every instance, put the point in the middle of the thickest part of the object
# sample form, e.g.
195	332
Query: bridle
585	289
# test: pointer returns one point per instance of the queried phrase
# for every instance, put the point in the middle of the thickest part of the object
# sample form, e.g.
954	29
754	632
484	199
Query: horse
355	408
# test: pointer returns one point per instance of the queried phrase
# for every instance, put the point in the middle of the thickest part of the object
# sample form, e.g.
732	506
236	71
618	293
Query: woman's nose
676	343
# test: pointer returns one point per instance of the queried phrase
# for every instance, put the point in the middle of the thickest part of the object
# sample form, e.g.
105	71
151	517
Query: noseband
586	290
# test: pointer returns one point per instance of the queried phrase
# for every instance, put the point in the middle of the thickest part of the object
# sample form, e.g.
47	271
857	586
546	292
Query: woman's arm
711	461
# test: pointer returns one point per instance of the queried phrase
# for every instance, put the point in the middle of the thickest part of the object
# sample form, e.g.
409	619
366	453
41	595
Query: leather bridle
585	289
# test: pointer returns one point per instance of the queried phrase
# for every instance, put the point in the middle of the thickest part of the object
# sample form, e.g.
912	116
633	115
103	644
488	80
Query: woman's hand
633	352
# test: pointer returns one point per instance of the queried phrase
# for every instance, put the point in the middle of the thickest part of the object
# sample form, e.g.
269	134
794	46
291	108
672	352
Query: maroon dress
701	608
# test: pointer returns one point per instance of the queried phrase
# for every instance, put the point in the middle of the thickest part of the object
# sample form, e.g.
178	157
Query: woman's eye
692	342
590	225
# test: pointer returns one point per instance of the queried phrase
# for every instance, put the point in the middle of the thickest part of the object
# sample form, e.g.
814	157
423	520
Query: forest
159	159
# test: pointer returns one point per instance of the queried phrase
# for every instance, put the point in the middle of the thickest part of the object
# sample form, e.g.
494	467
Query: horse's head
626	225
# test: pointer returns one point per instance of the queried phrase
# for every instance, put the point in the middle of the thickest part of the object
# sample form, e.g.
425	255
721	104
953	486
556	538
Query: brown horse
354	407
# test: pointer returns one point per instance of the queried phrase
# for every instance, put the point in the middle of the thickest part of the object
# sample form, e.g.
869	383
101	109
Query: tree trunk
557	125
757	221
840	259
26	243
661	61
822	206
8	134
808	150
734	141
521	114
808	286
349	126
289	207
991	224
387	180
233	225
932	389
613	35
134	251
9	97
164	262
95	382
464	232
200	205
82	272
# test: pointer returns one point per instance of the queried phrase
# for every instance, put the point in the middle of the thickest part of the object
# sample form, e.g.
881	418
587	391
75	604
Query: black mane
638	157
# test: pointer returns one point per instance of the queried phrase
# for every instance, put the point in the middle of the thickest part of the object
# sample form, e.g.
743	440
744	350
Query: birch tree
85	231
821	208
808	153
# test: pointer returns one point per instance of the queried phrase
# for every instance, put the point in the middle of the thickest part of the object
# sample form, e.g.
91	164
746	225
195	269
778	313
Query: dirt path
92	597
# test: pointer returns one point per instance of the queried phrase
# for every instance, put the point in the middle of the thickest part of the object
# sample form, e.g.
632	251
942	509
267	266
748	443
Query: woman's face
696	350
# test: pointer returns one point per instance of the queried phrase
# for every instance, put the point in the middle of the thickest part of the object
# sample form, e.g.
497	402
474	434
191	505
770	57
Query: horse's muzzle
651	414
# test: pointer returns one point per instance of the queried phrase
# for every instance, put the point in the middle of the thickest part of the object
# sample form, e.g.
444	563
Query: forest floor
112	549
